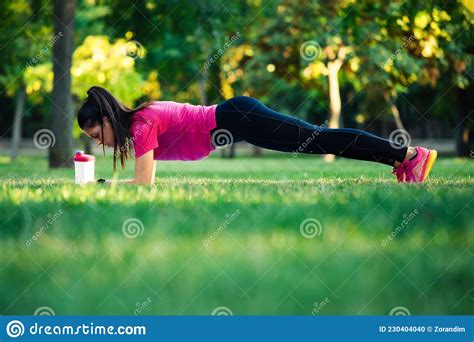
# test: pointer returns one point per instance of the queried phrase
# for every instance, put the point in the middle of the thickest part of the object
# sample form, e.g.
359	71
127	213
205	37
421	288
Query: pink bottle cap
81	157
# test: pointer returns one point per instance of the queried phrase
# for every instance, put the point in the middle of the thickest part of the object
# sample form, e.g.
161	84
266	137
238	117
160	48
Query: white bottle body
84	171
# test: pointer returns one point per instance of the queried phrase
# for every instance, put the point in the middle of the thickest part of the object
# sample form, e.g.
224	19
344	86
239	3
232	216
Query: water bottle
84	167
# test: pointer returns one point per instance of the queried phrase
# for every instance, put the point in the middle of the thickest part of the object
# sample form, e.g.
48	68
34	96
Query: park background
246	231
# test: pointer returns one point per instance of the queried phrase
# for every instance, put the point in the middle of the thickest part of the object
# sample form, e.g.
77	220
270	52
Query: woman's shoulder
154	107
151	115
164	110
149	111
144	116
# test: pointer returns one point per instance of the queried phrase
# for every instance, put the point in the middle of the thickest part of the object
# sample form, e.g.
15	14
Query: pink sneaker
399	171
418	169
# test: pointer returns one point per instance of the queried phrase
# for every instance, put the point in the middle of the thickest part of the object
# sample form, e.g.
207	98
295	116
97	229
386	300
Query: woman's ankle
411	152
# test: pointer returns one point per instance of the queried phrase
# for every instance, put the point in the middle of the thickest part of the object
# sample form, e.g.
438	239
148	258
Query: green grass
258	262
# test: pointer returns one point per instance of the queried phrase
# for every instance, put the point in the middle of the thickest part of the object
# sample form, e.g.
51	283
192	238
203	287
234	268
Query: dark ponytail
100	103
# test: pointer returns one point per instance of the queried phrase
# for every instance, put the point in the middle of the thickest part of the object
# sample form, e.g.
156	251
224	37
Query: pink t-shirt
173	130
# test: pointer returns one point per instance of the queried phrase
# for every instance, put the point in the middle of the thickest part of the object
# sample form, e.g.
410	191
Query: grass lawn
276	235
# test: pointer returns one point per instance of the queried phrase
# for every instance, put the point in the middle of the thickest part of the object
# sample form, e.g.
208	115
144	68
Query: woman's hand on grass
115	181
145	168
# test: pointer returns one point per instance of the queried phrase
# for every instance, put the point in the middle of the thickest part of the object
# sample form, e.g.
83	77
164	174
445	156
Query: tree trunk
395	112
334	99
62	113
462	130
334	94
17	121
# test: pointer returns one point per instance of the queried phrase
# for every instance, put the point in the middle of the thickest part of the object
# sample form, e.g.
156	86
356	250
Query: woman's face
95	133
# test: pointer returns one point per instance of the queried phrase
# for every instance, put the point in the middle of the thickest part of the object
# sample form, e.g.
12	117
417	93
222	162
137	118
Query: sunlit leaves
39	78
100	62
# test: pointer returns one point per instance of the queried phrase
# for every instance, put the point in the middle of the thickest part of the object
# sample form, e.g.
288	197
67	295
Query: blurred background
245	231
400	69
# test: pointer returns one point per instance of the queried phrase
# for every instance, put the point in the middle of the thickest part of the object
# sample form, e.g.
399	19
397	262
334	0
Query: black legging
248	119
